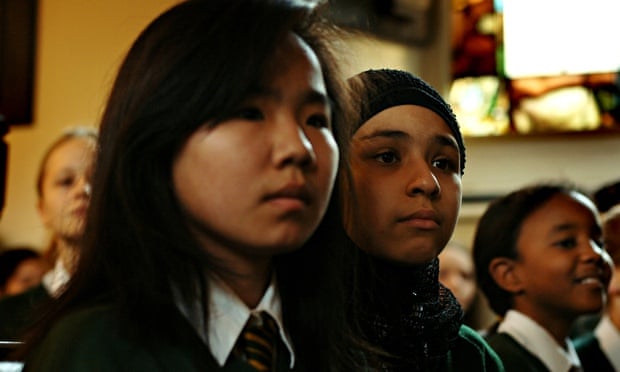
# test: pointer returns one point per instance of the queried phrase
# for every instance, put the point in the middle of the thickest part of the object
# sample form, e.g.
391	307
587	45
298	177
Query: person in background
21	268
209	215
599	350
456	272
605	197
63	189
401	195
540	262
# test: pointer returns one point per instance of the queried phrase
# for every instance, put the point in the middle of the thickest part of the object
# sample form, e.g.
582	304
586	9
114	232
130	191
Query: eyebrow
572	226
441	140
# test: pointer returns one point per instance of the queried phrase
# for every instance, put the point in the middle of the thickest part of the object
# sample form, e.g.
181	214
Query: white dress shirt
538	341
56	279
228	316
609	340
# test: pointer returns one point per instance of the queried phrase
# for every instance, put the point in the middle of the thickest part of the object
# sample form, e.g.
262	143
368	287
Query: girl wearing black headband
401	190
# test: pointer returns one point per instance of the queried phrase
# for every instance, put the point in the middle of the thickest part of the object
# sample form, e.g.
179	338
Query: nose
423	181
292	146
83	187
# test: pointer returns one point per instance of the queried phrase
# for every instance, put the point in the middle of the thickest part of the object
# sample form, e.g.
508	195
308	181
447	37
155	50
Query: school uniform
19	312
418	322
95	338
523	345
600	350
471	353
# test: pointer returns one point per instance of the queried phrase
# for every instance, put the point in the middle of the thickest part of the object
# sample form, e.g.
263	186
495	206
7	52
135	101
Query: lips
598	278
80	211
424	219
292	191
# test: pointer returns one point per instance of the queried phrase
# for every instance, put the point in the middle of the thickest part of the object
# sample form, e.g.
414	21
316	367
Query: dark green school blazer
472	353
91	340
18	312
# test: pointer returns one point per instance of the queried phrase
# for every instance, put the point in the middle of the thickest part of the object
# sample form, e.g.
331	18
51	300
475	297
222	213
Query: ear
504	273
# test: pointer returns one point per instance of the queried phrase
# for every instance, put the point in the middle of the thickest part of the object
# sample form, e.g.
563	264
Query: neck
68	253
249	283
557	326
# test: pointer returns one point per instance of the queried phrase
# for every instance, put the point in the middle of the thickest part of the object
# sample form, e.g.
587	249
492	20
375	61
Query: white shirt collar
609	340
228	316
56	279
538	341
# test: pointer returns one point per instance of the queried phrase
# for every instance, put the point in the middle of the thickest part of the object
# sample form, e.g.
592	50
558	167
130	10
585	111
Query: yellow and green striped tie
258	342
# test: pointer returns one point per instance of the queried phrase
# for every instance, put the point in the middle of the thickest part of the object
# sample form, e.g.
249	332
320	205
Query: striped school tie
258	341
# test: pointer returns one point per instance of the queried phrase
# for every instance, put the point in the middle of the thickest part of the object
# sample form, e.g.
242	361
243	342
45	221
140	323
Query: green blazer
18	312
91	339
472	353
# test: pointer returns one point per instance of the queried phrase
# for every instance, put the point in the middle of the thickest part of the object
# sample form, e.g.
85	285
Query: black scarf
407	313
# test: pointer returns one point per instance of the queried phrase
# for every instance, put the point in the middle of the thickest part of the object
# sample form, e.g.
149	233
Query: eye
318	121
567	243
447	159
445	164
64	181
387	157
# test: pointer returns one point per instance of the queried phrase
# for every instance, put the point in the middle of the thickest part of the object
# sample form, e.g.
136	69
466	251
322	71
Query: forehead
412	119
72	151
562	212
294	56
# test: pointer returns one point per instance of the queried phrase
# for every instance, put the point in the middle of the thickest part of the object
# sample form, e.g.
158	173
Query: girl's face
259	182
561	267
65	188
407	187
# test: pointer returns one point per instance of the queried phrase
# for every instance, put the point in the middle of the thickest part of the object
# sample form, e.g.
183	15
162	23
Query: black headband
395	87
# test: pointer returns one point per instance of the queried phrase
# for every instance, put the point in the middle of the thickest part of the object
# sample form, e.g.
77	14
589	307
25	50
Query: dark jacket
93	339
472	353
18	312
514	356
590	353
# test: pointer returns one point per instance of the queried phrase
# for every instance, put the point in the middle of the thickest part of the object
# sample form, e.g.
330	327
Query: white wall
79	46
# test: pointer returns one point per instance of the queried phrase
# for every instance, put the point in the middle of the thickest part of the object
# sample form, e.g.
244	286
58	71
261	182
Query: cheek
51	206
327	155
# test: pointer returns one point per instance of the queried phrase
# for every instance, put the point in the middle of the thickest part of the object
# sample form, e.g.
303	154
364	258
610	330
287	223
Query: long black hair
193	65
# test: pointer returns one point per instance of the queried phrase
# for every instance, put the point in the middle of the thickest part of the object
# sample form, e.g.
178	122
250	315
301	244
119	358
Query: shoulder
82	338
18	312
98	337
471	350
28	299
514	356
